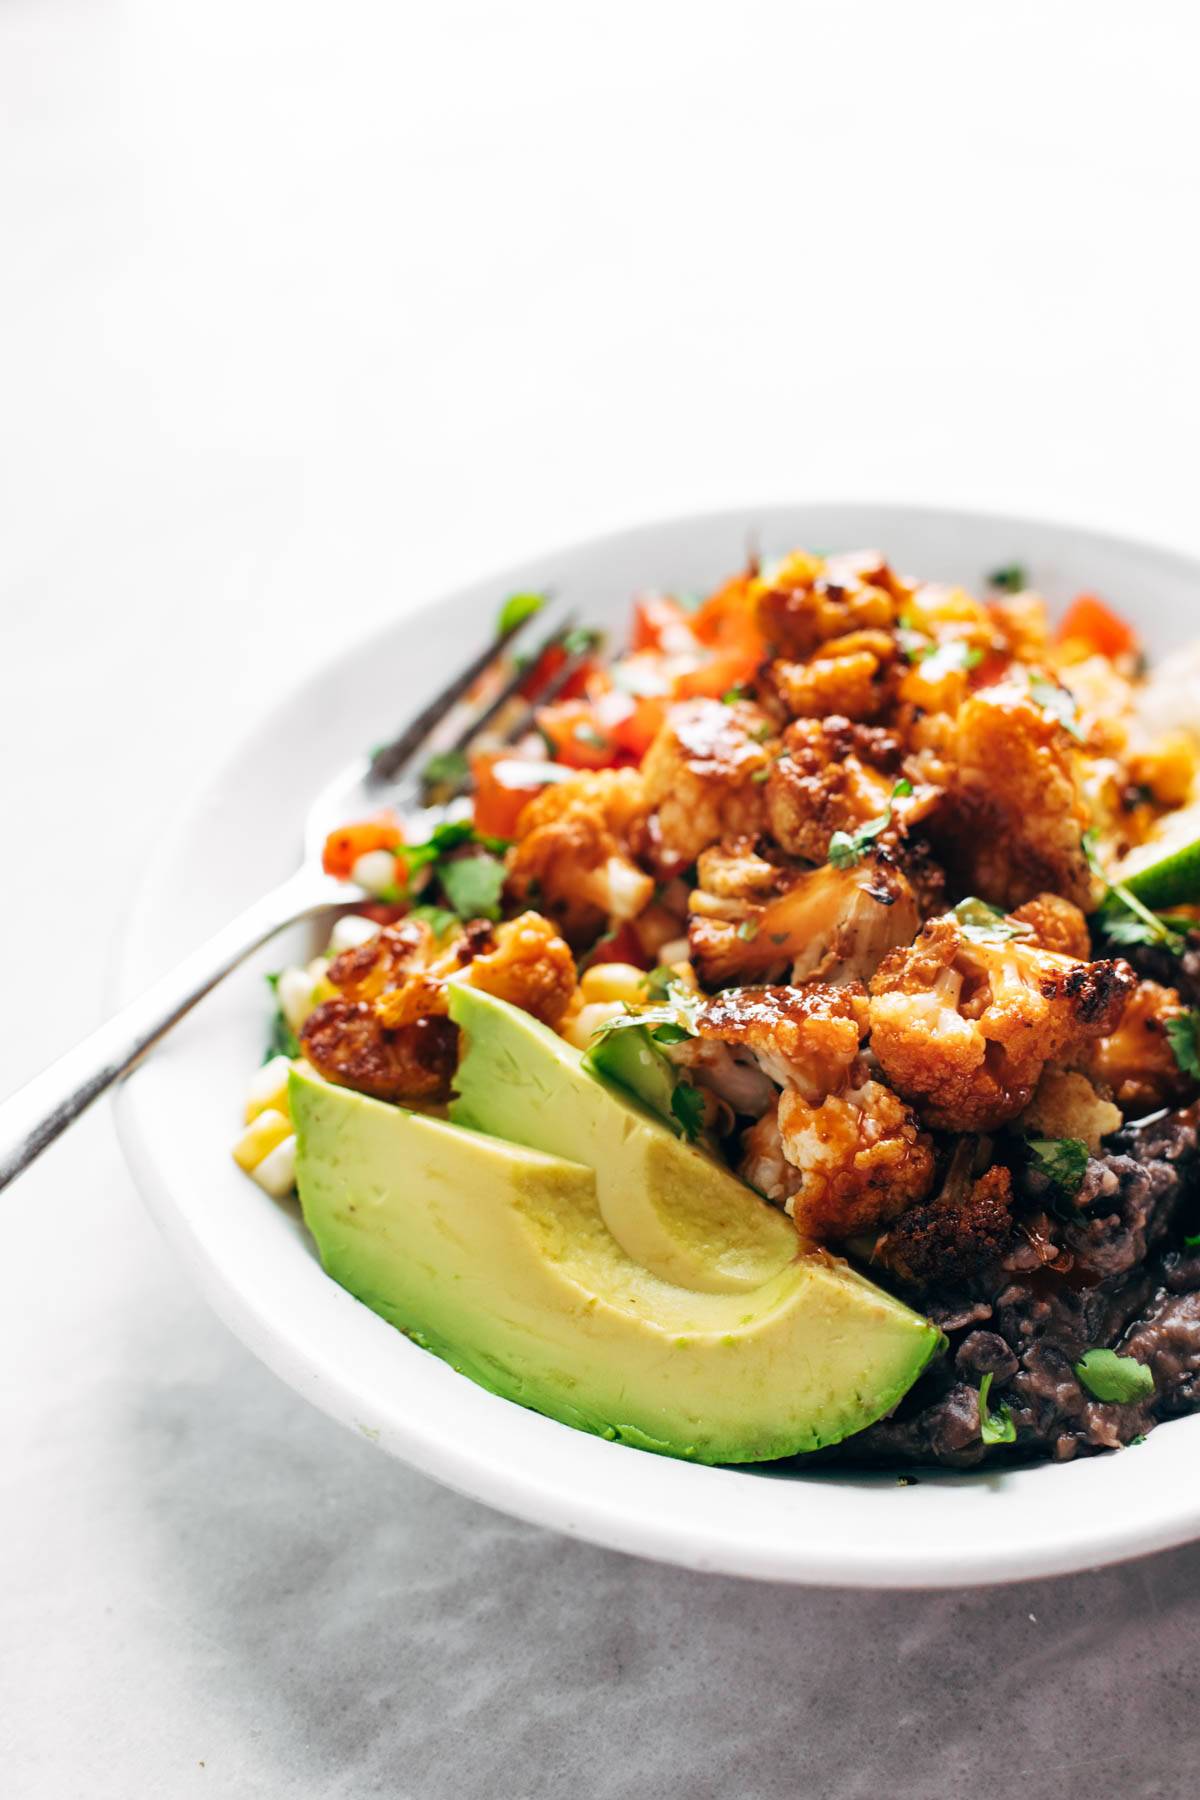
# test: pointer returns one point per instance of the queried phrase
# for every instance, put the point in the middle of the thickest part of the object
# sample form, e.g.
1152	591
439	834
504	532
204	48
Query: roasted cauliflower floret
803	602
821	924
1023	625
385	962
861	1158
530	966
1066	1105
704	777
1135	1062
572	852
1017	815
347	1042
1056	924
804	1037
833	775
964	1029
851	675
956	1236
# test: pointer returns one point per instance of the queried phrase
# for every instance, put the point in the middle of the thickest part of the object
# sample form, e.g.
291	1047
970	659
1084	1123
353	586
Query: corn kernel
268	1088
294	993
260	1138
578	1030
613	981
276	1173
350	931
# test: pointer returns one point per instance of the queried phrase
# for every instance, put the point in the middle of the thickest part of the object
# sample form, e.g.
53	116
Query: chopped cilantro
760	775
1182	1035
581	640
940	660
748	929
516	609
659	981
281	1040
1011	579
1057	700
985	924
473	885
670	1033
587	734
732	695
1126	919
1192	1242
994	1427
847	848
1061	1160
687	1104
448	768
438	918
1118	1379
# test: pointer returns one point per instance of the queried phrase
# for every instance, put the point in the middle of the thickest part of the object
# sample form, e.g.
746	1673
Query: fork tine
390	759
558	681
512	685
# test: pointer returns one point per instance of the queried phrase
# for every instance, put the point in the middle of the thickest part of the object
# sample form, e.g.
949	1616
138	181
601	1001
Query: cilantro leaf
1062	1161
438	918
1127	920
1192	1242
732	695
1183	1035
940	660
985	924
660	981
847	848
1118	1379
281	1039
1057	700
994	1427
473	885
447	768
687	1104
1011	579
516	609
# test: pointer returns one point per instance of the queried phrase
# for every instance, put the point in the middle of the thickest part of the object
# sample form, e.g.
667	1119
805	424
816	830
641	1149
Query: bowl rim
580	1494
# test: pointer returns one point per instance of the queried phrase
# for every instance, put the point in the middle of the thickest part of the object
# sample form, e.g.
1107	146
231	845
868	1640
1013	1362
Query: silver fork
37	1113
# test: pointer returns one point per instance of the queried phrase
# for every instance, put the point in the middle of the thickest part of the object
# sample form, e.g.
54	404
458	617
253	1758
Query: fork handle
36	1114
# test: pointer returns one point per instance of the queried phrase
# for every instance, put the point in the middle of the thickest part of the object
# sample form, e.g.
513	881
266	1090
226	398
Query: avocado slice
673	1208
496	1258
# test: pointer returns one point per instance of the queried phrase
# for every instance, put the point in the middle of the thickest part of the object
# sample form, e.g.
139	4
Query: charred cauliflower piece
1136	1063
852	676
963	1029
807	1037
1016	818
387	1034
704	777
530	966
347	1042
804	602
833	775
819	924
957	1235
861	1157
840	1151
1056	924
572	852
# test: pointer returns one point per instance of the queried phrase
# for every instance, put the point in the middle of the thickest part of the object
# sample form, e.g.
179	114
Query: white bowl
251	1257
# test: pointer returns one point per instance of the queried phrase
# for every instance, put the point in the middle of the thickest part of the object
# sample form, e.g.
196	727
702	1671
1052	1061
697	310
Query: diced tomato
624	946
661	624
730	616
344	846
727	669
635	733
1089	619
546	668
577	735
500	800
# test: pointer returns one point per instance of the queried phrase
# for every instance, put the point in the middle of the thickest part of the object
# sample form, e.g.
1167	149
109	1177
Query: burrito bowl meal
789	1045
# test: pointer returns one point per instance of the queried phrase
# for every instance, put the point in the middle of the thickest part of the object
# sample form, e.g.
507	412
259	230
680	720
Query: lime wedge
1165	870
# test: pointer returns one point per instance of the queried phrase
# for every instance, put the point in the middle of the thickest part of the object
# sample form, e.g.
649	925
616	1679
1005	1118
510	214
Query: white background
307	313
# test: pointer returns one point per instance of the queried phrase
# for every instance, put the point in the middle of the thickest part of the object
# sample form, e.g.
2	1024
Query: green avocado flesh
670	1206
496	1257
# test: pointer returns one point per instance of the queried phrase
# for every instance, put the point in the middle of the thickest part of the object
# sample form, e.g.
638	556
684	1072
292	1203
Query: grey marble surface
306	315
